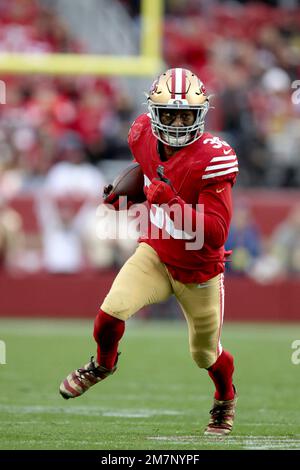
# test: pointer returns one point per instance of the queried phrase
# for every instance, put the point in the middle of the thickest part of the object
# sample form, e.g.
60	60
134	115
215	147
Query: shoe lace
92	369
218	413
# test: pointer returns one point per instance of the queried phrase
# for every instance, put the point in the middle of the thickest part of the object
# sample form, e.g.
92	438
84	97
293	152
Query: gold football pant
145	280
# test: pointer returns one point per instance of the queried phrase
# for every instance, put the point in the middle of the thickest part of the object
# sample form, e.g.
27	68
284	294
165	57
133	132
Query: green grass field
158	399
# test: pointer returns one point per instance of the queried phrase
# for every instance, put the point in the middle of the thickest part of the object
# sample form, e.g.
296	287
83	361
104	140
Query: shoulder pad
137	128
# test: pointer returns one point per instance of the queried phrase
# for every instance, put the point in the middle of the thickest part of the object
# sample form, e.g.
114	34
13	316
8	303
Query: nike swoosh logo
203	285
226	151
219	190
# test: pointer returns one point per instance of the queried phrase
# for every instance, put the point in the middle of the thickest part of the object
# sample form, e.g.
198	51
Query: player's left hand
159	192
108	194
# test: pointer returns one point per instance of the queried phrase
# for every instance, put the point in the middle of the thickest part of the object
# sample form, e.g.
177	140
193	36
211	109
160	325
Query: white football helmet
178	89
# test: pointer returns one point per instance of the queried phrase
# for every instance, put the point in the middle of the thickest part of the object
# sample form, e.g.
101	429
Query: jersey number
216	142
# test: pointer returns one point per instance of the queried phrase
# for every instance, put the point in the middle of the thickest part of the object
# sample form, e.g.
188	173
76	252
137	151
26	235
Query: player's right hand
118	202
159	192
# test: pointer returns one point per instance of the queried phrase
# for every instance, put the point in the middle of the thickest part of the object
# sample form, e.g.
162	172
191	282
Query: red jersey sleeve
217	201
214	176
217	177
221	162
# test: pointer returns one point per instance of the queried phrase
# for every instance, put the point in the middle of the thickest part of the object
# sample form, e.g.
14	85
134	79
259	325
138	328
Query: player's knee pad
119	303
204	358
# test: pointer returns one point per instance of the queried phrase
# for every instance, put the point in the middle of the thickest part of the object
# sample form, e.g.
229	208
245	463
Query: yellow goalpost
148	62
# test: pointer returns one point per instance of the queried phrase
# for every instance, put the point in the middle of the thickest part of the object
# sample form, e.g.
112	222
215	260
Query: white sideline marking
245	442
62	442
87	411
176	440
271	442
28	421
285	425
140	413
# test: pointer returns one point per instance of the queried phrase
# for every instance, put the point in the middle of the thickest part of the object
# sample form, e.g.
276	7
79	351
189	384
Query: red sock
108	331
221	373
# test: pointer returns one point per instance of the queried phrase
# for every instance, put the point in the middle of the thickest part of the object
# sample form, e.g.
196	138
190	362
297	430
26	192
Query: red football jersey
202	172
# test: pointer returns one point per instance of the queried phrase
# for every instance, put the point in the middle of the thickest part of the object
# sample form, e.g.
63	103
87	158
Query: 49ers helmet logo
154	87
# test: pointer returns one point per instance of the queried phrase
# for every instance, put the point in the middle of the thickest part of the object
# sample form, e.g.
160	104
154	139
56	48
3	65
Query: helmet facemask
182	135
178	90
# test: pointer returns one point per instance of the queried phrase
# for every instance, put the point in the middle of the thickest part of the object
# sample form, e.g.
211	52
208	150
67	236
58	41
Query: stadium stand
248	55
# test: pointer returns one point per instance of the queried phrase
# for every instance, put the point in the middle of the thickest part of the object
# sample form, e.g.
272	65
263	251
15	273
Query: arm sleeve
217	201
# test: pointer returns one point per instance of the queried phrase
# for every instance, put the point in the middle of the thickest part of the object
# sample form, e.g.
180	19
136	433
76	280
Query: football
130	183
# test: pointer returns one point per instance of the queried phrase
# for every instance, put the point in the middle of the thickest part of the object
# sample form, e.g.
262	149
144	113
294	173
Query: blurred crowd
54	134
26	26
264	258
249	58
57	133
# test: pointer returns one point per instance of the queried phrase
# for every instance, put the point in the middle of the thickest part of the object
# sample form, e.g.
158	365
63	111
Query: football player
195	168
